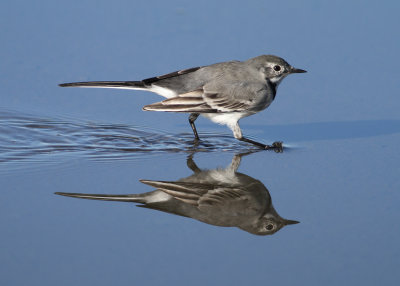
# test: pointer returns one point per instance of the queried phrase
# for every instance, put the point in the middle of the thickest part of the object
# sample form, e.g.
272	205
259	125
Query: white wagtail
221	197
223	92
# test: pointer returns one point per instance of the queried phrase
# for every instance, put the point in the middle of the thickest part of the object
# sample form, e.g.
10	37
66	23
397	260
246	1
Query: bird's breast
228	118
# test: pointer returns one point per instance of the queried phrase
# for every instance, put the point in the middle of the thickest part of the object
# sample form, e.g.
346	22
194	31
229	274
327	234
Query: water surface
338	173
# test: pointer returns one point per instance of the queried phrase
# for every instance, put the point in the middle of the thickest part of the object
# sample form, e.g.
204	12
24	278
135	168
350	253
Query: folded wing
202	195
213	98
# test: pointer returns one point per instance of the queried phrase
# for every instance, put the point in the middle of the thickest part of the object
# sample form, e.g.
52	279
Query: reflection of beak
294	70
288	221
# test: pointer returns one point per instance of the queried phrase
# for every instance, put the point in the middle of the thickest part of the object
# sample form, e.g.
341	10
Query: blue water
338	173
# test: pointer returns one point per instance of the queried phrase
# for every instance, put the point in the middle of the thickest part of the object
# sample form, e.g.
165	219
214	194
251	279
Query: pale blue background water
340	177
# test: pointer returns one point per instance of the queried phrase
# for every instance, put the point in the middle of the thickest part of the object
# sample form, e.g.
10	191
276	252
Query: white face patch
277	79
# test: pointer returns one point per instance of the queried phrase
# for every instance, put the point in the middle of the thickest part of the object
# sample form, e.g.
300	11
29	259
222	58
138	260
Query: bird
223	92
220	197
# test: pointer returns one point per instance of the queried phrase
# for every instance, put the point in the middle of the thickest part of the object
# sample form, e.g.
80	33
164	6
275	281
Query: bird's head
267	226
268	223
273	68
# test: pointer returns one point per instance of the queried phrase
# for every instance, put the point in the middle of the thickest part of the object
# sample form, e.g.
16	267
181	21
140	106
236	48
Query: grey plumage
221	197
223	92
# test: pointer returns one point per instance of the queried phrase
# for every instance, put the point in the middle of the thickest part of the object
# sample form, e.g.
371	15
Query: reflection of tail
145	198
120	198
107	84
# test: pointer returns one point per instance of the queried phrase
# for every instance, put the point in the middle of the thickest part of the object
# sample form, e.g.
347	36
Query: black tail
107	84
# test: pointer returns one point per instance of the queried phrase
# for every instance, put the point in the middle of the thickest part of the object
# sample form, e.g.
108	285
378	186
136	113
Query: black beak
294	70
288	221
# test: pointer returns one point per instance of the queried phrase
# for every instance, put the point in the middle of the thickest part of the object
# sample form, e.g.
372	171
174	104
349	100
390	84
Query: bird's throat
273	85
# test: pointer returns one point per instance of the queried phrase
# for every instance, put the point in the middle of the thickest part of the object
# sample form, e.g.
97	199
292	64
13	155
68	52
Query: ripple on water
25	137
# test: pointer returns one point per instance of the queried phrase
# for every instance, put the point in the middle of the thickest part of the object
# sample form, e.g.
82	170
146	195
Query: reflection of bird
223	92
221	197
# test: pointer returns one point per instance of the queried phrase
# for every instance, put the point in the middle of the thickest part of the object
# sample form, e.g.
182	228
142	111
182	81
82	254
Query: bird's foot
276	146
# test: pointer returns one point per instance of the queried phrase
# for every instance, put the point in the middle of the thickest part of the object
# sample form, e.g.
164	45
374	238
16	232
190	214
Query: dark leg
234	166
277	146
192	119
192	165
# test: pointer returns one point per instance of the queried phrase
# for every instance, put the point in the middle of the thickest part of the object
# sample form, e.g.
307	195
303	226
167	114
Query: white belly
229	119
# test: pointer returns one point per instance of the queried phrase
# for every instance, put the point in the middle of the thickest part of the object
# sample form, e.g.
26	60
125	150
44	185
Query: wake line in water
27	137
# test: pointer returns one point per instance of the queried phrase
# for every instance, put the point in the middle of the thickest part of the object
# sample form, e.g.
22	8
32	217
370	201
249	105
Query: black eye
269	227
277	68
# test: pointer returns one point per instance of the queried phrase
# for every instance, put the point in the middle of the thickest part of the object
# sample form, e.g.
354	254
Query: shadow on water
221	197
